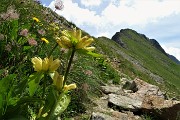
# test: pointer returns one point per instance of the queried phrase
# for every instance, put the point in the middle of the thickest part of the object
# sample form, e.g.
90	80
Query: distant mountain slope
138	56
149	54
174	59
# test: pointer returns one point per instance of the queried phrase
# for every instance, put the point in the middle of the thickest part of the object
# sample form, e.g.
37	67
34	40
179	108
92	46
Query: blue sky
157	19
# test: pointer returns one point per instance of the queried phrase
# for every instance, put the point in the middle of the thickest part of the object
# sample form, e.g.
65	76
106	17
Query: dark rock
117	39
163	109
174	59
157	45
128	84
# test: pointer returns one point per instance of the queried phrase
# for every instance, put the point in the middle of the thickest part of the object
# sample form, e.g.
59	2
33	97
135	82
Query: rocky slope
132	99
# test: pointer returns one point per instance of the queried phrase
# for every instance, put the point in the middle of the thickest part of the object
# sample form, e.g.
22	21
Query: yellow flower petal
89	48
36	19
69	87
65	33
78	34
45	40
58	80
64	42
54	65
37	63
45	64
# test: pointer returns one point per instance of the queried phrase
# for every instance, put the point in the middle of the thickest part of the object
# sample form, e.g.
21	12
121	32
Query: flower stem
43	95
68	67
53	49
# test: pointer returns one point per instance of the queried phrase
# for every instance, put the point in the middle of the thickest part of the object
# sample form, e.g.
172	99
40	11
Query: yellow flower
74	39
45	40
58	80
69	87
64	42
36	19
47	64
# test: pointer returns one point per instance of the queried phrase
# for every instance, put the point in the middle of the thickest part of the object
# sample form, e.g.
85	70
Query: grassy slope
140	50
116	67
152	58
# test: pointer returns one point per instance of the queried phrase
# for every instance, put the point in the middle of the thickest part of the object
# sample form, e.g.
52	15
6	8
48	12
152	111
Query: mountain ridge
154	43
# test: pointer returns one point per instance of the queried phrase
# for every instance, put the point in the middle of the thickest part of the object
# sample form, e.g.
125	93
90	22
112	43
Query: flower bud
89	48
69	87
58	80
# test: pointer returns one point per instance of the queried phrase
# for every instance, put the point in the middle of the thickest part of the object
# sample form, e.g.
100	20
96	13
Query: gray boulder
124	102
117	89
145	89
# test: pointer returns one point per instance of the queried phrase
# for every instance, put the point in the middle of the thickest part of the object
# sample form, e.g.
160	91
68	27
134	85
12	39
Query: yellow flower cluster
45	40
47	64
73	39
36	19
50	65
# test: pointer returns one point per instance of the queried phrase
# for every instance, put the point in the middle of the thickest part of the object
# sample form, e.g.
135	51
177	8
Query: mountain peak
127	35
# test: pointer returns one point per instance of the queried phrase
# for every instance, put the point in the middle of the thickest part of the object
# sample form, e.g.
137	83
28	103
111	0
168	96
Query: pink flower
59	5
10	14
32	42
41	32
24	32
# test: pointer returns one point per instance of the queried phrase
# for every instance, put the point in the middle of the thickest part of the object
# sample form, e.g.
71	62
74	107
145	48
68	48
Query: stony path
139	97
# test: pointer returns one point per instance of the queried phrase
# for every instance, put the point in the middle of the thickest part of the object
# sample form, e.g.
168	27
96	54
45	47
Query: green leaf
14	109
82	51
18	118
14	31
62	104
34	80
95	54
22	41
20	87
50	102
1	104
26	48
5	83
59	106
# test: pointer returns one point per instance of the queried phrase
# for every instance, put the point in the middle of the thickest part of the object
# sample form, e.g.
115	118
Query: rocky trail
132	99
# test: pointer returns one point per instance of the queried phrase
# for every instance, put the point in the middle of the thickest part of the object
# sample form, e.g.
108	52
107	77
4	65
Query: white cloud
141	15
140	12
88	3
74	13
129	12
172	51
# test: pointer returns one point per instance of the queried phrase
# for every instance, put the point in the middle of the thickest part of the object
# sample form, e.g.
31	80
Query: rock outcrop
133	98
117	39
